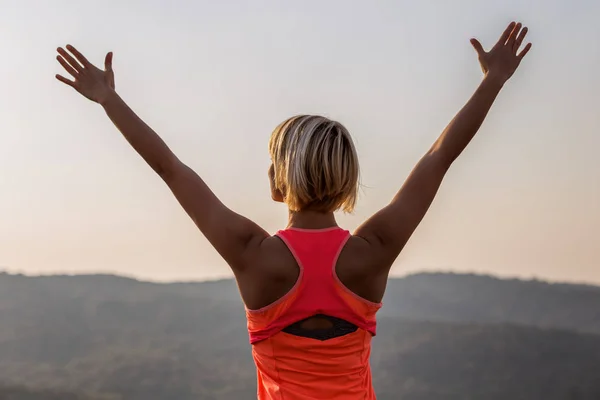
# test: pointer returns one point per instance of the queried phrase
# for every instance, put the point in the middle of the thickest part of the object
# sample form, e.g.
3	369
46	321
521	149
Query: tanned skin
264	268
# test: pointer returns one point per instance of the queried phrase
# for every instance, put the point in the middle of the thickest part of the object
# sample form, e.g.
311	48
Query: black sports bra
339	328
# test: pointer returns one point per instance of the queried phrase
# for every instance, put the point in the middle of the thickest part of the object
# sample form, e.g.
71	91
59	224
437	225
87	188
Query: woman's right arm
233	236
389	230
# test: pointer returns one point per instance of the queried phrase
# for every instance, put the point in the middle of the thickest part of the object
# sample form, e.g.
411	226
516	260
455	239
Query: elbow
160	168
440	158
164	167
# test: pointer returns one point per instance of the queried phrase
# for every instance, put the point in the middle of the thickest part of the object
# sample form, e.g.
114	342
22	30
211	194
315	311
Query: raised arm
389	230
232	235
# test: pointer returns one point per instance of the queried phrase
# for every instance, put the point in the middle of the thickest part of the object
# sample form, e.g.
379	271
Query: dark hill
113	336
436	297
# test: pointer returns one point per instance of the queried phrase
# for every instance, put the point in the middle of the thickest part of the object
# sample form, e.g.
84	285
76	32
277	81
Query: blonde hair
315	164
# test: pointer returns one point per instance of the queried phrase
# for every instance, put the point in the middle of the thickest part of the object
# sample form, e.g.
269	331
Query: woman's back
314	341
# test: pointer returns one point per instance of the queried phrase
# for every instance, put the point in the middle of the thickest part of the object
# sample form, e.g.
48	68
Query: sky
214	79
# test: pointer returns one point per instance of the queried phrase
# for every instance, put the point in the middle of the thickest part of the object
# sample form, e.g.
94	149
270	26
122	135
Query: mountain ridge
7	272
429	296
440	336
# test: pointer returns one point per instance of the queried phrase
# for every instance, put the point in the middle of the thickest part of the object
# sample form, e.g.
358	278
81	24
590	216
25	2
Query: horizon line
500	277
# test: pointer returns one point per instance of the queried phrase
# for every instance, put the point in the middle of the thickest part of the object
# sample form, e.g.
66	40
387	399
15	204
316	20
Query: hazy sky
214	78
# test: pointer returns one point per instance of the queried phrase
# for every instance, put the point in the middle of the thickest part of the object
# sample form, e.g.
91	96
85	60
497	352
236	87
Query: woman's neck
311	220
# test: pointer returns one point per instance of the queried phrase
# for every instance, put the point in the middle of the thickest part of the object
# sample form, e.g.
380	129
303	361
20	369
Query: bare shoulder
359	268
270	273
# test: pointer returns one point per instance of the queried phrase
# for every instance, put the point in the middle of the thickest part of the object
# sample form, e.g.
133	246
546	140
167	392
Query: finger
520	38
513	35
478	47
78	56
108	61
66	81
506	34
67	67
69	59
524	51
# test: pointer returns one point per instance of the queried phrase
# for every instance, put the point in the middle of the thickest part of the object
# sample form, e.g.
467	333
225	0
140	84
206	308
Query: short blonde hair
315	164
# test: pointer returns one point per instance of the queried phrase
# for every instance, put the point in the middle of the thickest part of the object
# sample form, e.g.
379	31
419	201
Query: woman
312	290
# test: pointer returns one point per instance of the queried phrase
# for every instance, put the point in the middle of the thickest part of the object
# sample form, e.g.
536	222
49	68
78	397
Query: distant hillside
483	299
23	393
435	297
130	340
435	360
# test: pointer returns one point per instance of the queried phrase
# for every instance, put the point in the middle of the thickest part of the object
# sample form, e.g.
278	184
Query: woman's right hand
92	82
504	58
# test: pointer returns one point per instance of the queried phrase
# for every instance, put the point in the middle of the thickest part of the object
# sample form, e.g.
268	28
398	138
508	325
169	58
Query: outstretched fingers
478	47
78	56
520	39
506	34
72	71
66	81
69	59
108	61
74	66
512	38
524	52
70	65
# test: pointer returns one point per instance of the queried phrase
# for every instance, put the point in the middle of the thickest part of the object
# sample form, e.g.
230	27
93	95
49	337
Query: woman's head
315	166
